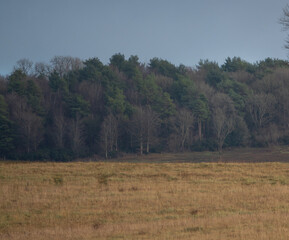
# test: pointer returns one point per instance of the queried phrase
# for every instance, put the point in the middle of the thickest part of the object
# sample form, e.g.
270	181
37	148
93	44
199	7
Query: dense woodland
71	109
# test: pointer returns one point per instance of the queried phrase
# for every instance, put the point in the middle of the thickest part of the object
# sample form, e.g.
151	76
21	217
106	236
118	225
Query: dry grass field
108	200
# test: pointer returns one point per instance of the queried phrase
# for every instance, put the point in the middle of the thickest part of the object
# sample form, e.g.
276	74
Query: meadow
146	200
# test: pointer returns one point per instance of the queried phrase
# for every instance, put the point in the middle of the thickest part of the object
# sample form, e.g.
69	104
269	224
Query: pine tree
6	138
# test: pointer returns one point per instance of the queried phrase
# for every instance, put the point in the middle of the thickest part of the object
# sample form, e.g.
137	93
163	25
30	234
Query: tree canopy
72	108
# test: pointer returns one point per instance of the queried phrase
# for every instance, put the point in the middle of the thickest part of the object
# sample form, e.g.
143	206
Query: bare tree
77	134
283	106
3	85
184	124
30	125
143	127
224	118
32	129
164	82
60	124
152	122
182	136
41	69
261	107
109	135
269	135
205	89
93	93
284	20
139	128
242	76
25	65
63	65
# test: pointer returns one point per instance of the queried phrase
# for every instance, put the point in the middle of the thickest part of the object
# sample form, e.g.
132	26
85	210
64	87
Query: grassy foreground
144	201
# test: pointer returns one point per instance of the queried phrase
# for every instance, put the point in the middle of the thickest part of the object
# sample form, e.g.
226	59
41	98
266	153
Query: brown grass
144	201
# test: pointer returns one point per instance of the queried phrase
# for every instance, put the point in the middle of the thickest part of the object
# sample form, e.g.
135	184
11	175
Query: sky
180	31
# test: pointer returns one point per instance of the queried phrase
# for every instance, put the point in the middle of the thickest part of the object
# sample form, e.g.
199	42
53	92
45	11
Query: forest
70	108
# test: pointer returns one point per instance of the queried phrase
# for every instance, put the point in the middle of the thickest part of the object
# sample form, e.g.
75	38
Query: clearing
126	200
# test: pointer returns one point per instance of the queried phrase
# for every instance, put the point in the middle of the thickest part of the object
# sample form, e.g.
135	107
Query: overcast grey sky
180	31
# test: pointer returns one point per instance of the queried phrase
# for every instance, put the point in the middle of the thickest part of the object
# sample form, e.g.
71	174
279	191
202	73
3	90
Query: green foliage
72	80
165	106
20	84
272	63
131	67
92	131
152	94
164	67
110	80
208	144
61	155
57	83
34	97
6	138
3	108
186	95
268	66
149	90
92	71
16	82
201	108
94	63
116	101
118	60
237	64
97	90
39	155
184	91
214	74
240	135
238	92
76	105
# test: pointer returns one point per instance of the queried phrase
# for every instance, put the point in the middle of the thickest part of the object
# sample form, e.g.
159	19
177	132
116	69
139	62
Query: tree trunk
148	146
106	143
141	145
200	129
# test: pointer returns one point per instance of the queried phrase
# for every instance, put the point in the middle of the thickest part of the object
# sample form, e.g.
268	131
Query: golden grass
144	201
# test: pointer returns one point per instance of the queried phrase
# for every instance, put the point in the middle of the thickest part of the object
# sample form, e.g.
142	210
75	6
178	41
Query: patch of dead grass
144	201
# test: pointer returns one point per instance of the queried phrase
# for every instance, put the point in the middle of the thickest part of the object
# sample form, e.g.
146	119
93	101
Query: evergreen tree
16	82
6	139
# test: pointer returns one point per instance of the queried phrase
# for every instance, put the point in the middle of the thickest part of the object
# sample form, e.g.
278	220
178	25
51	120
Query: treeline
70	108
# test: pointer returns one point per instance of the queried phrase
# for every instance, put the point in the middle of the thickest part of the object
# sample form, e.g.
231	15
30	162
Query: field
147	200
